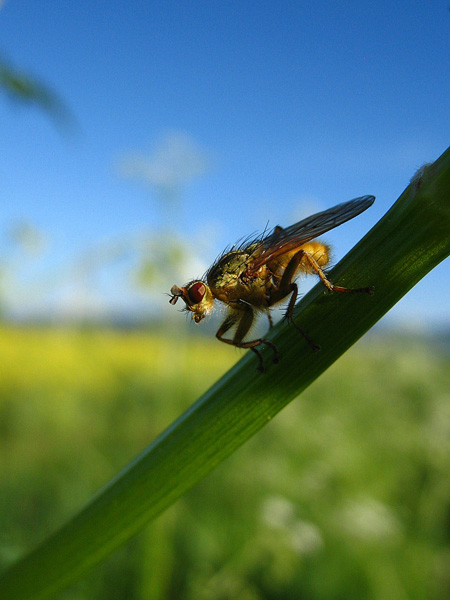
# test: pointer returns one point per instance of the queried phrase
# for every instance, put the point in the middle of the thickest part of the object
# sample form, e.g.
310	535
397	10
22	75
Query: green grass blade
412	238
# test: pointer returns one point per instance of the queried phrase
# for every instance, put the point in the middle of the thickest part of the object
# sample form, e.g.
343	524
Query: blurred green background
344	495
138	139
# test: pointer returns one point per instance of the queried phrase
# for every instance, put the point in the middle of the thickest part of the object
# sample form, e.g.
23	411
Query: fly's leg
260	366
288	316
326	282
269	316
286	287
244	318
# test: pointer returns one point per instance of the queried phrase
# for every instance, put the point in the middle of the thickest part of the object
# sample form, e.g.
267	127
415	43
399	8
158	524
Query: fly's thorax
244	289
227	270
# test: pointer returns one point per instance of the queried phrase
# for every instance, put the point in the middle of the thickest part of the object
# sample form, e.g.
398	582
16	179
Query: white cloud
175	161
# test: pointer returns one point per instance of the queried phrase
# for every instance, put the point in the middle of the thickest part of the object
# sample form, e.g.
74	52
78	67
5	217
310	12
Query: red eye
196	292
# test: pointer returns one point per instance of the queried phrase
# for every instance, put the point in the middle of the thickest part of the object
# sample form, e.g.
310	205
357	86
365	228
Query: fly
256	275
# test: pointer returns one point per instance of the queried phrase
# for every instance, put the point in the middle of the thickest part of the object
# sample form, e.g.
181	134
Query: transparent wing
281	241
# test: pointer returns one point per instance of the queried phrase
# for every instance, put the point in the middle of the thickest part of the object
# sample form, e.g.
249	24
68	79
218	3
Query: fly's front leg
244	318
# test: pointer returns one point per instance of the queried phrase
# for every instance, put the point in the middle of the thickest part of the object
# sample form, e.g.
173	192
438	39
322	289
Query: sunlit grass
90	357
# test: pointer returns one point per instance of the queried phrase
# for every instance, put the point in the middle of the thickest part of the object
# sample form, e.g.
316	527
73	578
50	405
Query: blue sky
279	108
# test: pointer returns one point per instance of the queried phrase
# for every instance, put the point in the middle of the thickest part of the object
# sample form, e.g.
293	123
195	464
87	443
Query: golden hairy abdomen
319	251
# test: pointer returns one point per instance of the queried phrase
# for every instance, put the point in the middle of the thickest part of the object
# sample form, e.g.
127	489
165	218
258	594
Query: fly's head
197	296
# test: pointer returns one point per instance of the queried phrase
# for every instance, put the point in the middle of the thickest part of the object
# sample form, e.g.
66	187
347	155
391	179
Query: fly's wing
281	240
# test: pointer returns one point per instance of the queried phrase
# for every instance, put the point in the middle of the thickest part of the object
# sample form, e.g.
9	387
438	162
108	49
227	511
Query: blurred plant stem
403	247
22	88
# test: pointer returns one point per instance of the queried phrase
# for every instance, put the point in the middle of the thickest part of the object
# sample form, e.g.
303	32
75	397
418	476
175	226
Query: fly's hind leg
244	319
286	287
326	282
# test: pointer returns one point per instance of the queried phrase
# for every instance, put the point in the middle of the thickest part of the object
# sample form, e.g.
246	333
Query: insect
255	275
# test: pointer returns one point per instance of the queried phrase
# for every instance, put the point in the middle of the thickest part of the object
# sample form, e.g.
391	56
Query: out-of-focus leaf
23	88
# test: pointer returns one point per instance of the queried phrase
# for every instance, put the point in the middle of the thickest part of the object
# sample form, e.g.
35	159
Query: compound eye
196	292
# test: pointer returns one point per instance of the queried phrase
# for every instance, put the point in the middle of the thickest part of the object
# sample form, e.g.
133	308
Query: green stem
411	239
